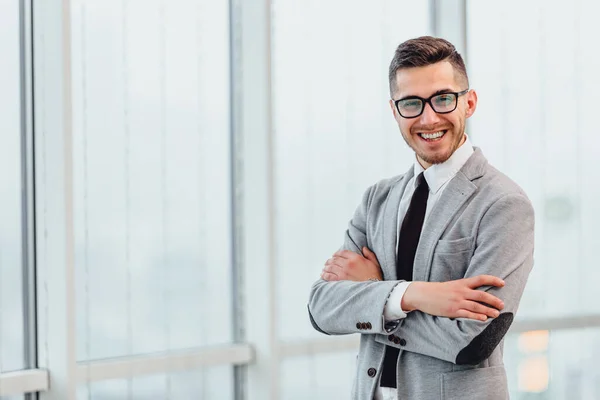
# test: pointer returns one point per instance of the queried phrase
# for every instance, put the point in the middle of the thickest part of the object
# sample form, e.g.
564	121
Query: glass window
334	133
318	377
205	384
12	340
536	111
537	86
151	176
553	365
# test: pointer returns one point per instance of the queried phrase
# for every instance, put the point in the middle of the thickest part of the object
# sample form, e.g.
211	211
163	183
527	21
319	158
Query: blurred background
175	173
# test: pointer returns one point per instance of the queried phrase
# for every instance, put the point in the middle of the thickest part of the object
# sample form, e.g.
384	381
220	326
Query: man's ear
471	103
394	110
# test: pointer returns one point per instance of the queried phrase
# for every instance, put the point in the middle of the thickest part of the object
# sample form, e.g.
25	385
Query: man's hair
423	51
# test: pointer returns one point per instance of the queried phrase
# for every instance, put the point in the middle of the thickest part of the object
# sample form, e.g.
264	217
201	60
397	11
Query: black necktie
407	248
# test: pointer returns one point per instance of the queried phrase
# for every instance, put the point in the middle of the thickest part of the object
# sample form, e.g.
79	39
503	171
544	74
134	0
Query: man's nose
429	117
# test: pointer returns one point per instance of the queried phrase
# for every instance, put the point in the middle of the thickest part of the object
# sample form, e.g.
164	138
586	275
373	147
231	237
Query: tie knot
421	181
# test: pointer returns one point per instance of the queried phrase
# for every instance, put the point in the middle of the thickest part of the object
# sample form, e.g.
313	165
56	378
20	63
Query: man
434	261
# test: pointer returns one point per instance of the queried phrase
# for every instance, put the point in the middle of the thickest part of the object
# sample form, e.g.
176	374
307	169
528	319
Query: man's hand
346	265
455	299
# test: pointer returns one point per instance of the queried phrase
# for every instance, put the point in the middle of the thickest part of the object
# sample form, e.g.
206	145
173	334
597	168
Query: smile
433	136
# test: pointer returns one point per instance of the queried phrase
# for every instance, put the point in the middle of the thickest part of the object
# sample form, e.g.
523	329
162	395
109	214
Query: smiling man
434	261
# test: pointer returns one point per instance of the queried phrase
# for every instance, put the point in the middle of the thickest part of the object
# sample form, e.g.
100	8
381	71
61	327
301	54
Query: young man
434	261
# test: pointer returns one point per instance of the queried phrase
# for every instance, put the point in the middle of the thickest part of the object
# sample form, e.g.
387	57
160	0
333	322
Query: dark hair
423	51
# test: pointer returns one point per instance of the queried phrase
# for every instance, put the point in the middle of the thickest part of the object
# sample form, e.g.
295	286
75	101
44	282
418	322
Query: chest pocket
451	259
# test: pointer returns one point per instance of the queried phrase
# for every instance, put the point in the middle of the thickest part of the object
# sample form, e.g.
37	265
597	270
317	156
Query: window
12	202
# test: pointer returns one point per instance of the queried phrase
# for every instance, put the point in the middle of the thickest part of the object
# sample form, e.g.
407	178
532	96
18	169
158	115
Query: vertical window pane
334	132
11	201
535	122
151	173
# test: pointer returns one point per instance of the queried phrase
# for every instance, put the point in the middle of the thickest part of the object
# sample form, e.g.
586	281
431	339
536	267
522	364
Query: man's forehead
424	81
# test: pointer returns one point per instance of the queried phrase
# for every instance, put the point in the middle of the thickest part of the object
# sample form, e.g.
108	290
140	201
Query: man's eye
411	103
444	99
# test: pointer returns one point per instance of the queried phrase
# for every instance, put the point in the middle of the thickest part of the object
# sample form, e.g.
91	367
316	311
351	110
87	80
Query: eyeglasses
413	106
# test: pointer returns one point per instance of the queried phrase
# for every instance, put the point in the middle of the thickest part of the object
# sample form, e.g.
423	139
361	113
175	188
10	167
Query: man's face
424	82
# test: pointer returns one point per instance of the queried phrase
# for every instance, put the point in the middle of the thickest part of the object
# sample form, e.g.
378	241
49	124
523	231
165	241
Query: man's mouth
432	136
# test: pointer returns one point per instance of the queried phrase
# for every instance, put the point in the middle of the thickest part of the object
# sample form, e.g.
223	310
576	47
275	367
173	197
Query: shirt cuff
392	310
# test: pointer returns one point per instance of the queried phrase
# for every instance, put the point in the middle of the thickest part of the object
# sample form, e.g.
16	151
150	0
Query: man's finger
333	269
470	315
337	261
484	297
345	254
480	309
484	280
329	277
369	255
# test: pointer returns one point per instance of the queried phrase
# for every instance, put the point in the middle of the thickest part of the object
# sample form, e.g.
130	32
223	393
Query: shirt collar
438	174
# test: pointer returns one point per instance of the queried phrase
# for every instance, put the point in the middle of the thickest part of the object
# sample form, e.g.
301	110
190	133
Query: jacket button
358	325
391	338
402	342
397	340
369	326
372	372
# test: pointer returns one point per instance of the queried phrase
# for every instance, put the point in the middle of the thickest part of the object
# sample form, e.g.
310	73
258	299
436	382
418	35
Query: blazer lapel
390	224
453	197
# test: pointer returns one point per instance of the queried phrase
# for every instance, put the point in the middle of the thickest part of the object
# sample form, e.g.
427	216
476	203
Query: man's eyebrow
441	91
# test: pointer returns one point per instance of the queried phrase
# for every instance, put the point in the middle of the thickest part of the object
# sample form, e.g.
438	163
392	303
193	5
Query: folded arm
504	248
346	306
344	302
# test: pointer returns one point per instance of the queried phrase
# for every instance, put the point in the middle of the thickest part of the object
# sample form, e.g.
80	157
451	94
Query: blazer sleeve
345	307
504	248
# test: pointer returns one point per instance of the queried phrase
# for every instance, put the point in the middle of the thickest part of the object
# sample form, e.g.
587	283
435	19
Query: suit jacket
483	223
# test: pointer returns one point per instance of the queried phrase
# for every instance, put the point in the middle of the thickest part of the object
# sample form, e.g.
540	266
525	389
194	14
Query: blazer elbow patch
483	345
314	324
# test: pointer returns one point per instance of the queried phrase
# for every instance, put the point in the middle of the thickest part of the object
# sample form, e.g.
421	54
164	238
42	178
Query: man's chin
435	158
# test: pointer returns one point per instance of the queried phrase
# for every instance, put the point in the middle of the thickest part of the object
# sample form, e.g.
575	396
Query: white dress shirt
437	177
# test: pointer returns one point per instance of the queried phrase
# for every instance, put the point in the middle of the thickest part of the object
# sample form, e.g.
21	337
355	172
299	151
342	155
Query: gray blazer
482	224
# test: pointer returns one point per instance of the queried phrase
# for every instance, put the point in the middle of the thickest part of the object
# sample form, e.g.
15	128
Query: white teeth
432	135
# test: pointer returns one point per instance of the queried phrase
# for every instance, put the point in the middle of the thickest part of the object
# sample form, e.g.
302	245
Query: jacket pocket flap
455	246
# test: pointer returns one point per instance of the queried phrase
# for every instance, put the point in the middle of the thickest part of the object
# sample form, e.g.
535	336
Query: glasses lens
444	102
410	107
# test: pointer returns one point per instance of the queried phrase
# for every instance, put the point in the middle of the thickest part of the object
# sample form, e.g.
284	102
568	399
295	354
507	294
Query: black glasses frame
428	101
